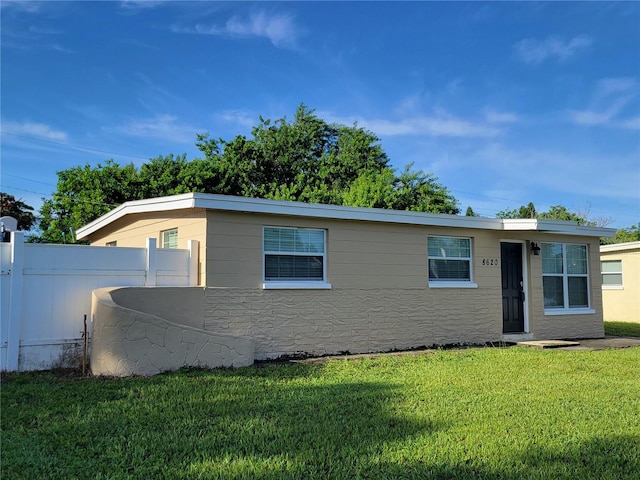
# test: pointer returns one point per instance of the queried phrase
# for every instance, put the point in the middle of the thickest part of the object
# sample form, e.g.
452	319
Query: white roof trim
617	247
336	212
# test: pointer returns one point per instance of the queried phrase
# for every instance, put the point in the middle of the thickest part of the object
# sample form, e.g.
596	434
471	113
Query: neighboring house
312	279
620	267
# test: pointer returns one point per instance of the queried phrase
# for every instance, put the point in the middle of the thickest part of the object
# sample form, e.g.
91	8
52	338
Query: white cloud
441	124
22	5
608	102
493	116
280	29
165	127
30	129
562	172
140	4
237	117
630	123
534	51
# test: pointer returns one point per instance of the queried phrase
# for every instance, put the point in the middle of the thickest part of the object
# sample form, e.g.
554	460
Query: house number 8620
490	262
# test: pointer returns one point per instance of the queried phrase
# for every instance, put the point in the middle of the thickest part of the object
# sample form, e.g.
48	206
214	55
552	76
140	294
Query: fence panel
5	266
55	294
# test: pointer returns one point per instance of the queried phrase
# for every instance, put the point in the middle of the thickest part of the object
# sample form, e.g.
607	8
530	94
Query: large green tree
305	159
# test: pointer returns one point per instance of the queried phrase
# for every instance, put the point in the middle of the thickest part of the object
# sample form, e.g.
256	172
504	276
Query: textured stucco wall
318	322
129	342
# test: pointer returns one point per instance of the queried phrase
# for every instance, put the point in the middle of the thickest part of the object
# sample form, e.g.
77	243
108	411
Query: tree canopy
305	159
17	209
555	212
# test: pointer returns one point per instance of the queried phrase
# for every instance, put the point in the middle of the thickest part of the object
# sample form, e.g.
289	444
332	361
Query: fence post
193	246
152	263
15	300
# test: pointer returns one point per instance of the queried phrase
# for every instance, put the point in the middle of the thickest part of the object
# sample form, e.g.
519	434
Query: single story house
620	267
309	279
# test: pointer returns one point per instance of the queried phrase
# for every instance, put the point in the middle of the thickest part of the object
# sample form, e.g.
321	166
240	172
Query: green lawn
477	413
622	329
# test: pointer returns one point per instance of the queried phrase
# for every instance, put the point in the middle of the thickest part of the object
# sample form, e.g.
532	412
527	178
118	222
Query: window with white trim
565	276
294	257
113	243
611	271
449	260
169	238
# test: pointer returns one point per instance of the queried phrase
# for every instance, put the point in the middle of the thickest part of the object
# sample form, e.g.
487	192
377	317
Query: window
565	277
169	238
611	273
294	258
112	244
449	261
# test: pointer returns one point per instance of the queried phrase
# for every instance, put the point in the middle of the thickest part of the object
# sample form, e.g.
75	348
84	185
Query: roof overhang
335	212
620	247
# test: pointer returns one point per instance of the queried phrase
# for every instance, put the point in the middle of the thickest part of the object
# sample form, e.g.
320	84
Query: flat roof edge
618	247
335	212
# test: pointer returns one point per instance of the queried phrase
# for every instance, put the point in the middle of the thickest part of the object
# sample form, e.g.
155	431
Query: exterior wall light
535	248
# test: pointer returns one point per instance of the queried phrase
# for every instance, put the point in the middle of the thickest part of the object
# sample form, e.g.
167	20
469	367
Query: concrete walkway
604	343
582	344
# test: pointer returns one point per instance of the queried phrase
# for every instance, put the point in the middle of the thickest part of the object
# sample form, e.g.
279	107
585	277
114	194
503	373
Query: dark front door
512	288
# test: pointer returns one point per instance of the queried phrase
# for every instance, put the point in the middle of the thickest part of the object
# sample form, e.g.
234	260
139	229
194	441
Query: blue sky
505	102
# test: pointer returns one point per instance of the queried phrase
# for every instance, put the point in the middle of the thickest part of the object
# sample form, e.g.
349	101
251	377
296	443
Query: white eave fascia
556	226
334	212
160	204
339	212
620	247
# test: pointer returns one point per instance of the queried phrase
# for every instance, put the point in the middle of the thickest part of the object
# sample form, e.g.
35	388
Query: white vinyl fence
46	292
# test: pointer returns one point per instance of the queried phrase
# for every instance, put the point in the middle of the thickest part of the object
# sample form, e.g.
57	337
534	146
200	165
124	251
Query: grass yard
476	413
622	329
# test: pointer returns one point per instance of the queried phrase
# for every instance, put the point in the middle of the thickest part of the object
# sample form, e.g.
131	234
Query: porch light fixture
535	248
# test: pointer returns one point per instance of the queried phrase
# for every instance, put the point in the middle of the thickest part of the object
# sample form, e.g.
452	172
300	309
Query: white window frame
435	283
163	240
295	284
566	309
113	243
612	286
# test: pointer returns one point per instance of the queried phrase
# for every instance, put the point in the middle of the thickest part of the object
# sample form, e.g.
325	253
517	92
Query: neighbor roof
619	247
313	210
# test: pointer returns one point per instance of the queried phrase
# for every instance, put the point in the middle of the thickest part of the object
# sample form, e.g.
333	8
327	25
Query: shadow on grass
284	422
269	423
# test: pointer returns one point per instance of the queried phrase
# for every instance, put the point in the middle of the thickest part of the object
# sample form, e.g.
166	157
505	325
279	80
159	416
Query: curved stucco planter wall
127	341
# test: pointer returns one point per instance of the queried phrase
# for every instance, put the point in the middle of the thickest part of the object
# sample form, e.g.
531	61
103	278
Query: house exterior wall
133	231
544	325
380	297
623	303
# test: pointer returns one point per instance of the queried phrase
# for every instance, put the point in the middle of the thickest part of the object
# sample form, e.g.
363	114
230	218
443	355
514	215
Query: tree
624	235
17	209
306	160
525	211
555	212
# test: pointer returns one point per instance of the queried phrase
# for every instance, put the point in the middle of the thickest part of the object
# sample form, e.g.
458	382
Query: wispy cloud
30	129
165	127
493	116
440	124
556	170
609	100
242	118
21	5
280	29
140	4
534	51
